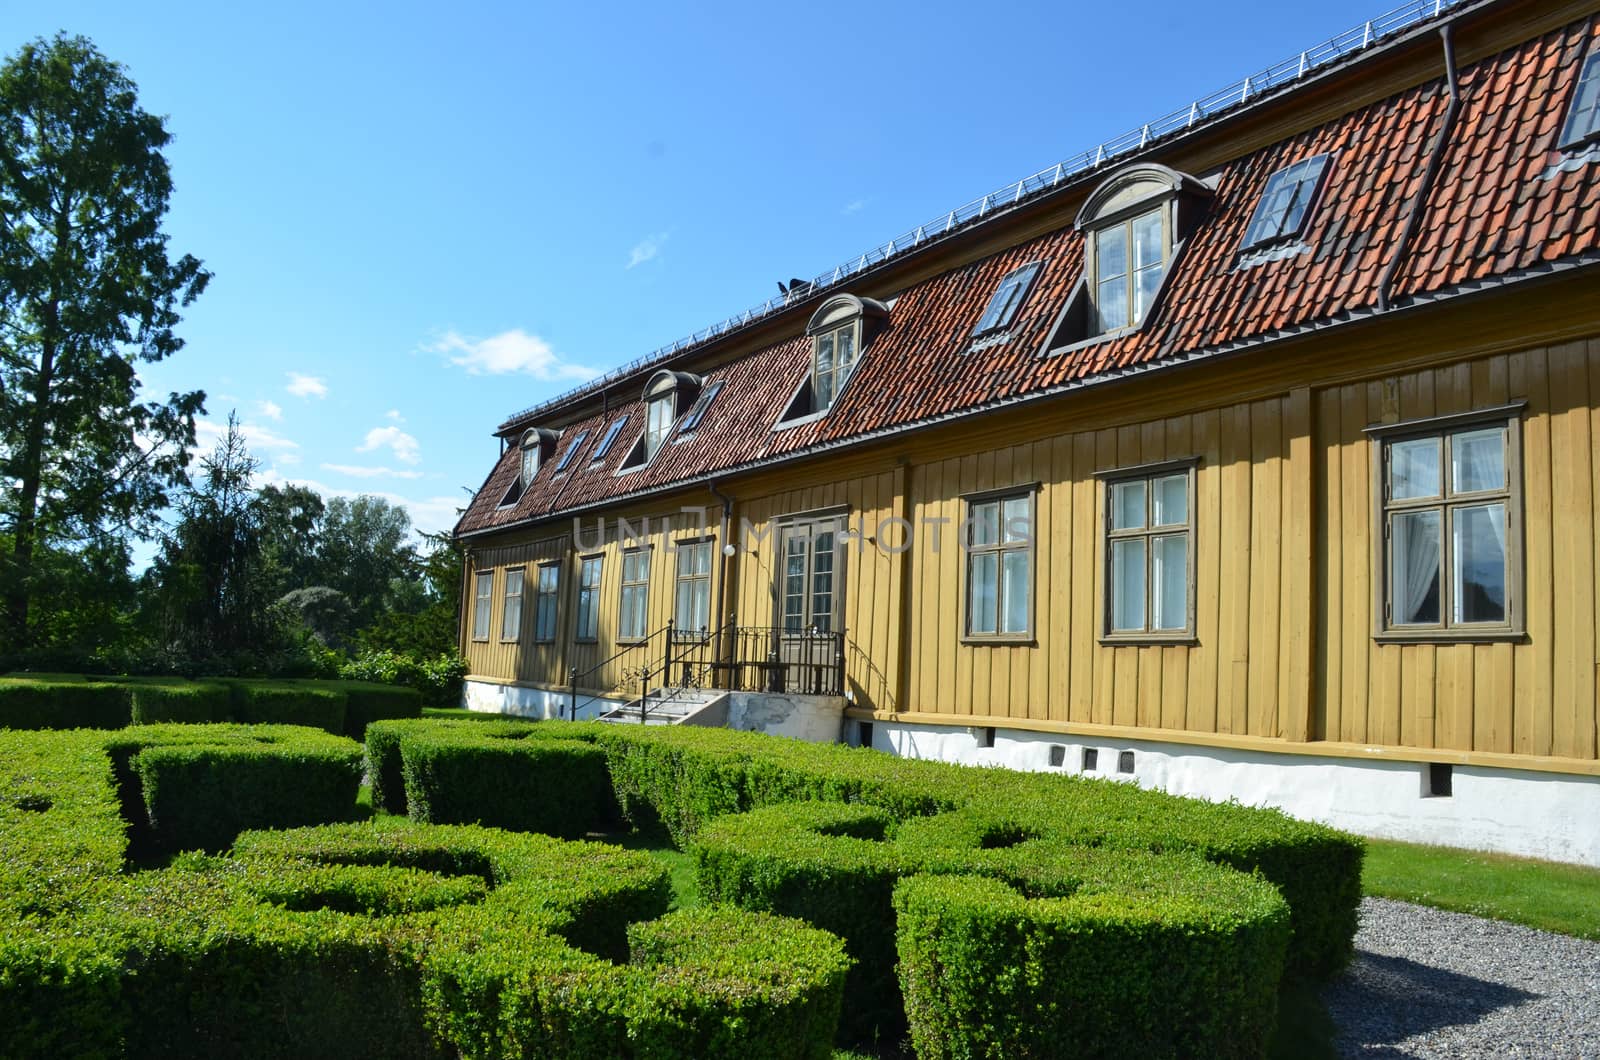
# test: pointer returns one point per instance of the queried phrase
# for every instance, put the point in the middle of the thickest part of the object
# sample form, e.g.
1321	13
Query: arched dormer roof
666	381
845	307
1135	186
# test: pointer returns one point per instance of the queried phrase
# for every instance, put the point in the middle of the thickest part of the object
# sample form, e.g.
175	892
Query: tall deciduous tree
88	291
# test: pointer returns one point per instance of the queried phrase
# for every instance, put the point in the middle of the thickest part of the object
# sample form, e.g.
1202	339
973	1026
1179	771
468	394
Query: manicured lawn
1539	894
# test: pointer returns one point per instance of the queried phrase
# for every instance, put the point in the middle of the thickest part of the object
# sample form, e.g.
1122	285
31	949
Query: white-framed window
1583	114
546	595
999	547
1149	553
634	616
482	602
511	608
589	569
691	613
1448	506
840	331
531	448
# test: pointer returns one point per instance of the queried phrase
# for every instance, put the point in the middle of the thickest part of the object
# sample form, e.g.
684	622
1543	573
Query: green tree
291	517
214	599
362	549
87	293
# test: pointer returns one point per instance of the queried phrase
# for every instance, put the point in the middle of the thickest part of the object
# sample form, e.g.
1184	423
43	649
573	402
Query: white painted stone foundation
488	697
1535	814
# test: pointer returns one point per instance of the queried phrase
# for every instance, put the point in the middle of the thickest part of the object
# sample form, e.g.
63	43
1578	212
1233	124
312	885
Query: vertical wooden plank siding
1287	579
1534	694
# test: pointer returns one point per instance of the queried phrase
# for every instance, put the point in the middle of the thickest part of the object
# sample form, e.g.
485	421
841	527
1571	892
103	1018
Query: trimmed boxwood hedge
32	703
558	787
198	786
178	701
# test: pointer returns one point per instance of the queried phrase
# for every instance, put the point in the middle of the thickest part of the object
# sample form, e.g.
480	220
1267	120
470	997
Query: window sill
510	640
1451	636
631	642
1093	340
1150	640
801	421
1001	640
544	643
480	640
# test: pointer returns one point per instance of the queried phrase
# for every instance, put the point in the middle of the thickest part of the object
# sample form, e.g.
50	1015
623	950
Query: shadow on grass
685	887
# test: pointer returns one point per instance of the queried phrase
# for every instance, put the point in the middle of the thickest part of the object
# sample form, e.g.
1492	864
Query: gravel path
1426	983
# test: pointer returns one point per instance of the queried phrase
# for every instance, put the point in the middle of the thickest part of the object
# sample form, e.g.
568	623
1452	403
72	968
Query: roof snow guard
1278	75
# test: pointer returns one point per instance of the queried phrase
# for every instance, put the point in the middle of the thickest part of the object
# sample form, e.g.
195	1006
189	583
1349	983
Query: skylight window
1007	298
1281	213
1583	119
610	436
697	411
572	451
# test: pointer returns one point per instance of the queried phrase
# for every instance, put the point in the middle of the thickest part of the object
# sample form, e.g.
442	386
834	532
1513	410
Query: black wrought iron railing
735	658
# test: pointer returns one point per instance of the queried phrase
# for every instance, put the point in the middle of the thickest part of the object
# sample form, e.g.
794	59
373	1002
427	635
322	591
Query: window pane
1127	584
794	582
1478	460
1146	283
1015	595
985	523
1127	505
1414	468
1171	500
1111	252
1414	587
483	591
981	594
1170	557
1478	546
1018	525
822	581
1111	304
1147	240
845	350
1584	118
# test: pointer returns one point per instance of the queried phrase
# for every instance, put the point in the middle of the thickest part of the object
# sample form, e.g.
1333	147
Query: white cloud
361	471
508	352
257	439
854	206
394	414
405	448
305	386
646	249
270	409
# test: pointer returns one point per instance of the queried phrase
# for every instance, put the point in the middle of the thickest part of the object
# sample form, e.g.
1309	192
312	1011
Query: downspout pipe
728	560
1429	176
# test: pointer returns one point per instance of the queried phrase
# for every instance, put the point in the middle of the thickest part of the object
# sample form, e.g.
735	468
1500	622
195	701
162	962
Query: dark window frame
1148	473
588	613
506	597
1019	284
608	439
572	451
624	636
1313	189
482	606
540	596
1382	437
1000	547
1588	77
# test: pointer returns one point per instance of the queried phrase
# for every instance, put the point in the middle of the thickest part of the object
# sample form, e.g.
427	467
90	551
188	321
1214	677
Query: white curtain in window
1416	567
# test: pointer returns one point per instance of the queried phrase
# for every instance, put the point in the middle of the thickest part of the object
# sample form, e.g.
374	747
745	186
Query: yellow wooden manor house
1250	455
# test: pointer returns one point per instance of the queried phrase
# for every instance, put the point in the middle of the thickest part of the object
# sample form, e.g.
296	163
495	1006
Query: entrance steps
673	706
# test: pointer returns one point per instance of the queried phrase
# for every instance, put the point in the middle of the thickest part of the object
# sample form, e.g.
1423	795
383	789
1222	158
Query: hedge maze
854	899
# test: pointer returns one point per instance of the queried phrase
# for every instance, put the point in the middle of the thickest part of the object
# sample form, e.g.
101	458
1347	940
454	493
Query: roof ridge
1373	31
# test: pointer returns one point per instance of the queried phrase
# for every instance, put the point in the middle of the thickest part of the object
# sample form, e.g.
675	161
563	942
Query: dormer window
1007	299
1583	116
666	397
536	447
1130	260
1134	225
1286	203
840	330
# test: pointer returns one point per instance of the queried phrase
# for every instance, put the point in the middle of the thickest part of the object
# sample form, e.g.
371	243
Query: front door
810	601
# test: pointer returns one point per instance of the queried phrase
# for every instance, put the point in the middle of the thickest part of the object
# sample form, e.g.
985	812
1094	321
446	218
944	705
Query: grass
1539	894
685	888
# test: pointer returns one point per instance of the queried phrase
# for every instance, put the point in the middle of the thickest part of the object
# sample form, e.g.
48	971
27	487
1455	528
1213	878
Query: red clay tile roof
1501	205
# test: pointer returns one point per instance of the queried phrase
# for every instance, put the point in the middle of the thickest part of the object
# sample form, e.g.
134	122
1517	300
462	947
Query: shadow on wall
869	686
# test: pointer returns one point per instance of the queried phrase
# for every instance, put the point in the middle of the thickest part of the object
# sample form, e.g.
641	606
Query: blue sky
423	217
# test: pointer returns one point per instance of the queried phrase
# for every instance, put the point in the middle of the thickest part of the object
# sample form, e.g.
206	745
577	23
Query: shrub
187	786
257	702
438	678
46	702
157	701
385	770
366	702
1147	955
558	787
